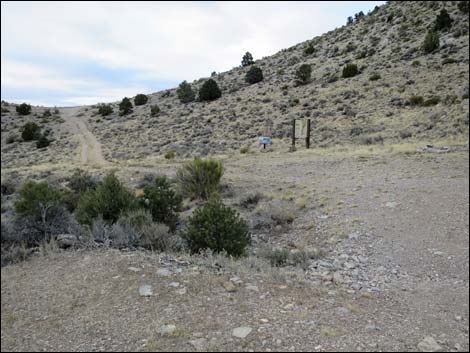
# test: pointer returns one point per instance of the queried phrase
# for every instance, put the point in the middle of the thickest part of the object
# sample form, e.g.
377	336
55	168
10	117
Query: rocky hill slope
372	107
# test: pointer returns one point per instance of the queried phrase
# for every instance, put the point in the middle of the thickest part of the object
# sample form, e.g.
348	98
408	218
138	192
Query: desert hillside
115	238
376	106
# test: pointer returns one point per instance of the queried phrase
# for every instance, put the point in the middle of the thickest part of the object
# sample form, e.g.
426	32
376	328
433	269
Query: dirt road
90	147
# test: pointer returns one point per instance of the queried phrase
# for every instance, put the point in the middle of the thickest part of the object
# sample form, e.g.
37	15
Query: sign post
307	138
301	129
293	132
264	140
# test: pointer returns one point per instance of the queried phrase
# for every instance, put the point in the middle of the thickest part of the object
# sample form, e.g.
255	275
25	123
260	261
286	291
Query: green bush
38	207
8	187
30	131
244	150
447	61
254	75
162	202
146	233
105	109
463	6
217	227
200	178
309	50
43	141
303	73
278	257
416	100
375	76
350	70
209	91
125	106
109	200
81	181
431	101
23	109
443	21
416	63
140	99
47	113
11	138
170	155
185	92
247	59
136	229
431	42
38	200
154	110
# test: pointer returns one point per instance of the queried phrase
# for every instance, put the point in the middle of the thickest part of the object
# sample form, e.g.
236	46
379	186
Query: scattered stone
174	285
428	344
181	291
289	306
163	272
392	204
337	277
356	286
134	269
354	235
252	288
236	280
167	330
145	290
199	344
362	259
241	332
371	328
229	287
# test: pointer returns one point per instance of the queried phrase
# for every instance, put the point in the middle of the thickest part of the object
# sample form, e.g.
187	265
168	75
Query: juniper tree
185	92
209	91
247	59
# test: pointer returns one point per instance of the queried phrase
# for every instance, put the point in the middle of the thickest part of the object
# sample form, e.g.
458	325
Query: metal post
293	132
307	139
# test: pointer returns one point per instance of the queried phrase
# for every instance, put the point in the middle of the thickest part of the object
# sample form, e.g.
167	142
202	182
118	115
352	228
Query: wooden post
307	139
293	132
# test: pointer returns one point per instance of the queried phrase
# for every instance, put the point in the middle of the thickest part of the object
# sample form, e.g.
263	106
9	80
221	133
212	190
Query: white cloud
22	75
156	40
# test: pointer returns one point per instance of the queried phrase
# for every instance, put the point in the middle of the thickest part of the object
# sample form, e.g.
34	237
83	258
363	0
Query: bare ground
415	208
90	147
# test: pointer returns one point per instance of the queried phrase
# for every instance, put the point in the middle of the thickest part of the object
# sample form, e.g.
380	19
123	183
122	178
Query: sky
80	53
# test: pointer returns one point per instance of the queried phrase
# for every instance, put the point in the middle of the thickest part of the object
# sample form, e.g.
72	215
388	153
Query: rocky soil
390	230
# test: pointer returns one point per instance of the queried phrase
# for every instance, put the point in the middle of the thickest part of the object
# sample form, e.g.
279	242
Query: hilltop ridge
374	107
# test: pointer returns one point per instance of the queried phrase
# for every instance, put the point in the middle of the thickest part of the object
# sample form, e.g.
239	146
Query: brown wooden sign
301	130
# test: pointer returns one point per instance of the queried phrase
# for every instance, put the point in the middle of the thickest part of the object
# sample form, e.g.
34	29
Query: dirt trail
415	208
90	147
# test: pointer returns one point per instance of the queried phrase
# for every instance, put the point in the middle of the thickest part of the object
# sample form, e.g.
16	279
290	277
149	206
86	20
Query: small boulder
166	330
241	332
145	290
429	344
66	240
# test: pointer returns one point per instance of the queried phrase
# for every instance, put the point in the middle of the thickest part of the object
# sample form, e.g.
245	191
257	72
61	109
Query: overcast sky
76	53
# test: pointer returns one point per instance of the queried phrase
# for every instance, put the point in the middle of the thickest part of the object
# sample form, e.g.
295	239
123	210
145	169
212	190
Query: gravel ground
393	276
